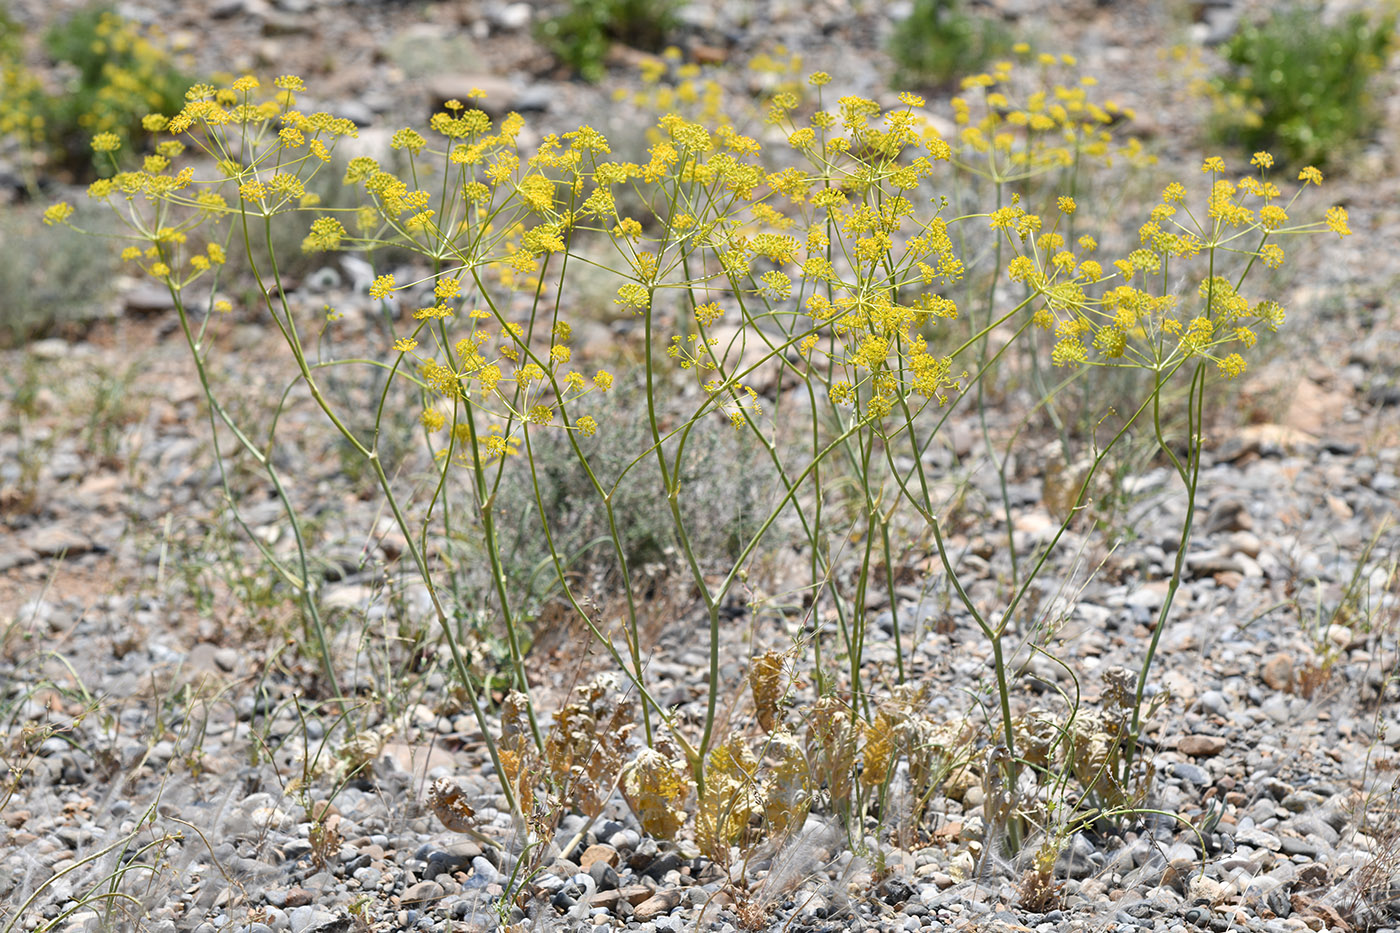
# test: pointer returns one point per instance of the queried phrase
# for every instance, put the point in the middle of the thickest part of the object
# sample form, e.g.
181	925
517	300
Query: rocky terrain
170	768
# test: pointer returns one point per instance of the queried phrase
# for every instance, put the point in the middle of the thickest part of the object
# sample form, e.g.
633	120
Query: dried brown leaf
656	789
588	743
515	765
832	739
768	679
880	749
449	805
787	794
732	798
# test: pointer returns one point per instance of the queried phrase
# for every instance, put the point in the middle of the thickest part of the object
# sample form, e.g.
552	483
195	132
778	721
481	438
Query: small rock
1192	774
1313	876
457	856
1228	515
147	299
285	24
11	557
667	861
501	93
309	919
1259	839
1201	746
419	762
604	876
1246	542
53	540
607	900
513	16
600	852
625	840
1277	671
660	903
422	892
1215	703
486	872
1312	826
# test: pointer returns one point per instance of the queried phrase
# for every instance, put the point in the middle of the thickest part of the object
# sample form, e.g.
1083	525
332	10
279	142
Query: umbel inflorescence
848	254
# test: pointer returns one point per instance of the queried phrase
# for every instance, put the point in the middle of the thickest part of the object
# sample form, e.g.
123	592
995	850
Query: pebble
1201	746
1192	774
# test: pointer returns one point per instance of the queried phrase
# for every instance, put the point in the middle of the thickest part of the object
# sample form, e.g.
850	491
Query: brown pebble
607	900
662	902
1201	746
1277	671
600	852
422	892
321	810
298	897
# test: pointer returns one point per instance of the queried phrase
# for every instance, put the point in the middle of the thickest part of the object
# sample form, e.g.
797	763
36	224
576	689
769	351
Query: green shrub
119	73
939	42
1299	86
56	291
581	35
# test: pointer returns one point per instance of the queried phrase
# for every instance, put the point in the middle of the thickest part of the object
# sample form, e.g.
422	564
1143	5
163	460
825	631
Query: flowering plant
805	298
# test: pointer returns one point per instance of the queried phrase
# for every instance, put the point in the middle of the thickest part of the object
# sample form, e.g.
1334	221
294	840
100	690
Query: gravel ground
160	727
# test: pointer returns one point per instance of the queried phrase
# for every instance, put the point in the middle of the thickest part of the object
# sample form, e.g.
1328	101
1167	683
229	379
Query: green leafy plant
119	72
55	292
940	41
581	35
1302	85
789	299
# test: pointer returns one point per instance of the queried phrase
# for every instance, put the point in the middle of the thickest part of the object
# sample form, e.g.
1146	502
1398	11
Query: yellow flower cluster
1008	138
838	263
1130	317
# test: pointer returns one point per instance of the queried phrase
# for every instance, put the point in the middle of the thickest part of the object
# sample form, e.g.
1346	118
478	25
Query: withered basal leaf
831	741
656	789
731	800
768	680
787	791
449	805
587	745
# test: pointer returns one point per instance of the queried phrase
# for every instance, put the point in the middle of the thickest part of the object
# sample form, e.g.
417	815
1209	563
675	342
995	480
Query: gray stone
485	871
604	876
1294	845
1313	826
11	557
53	540
501	93
1215	703
147	299
309	919
1192	774
1258	839
457	856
